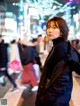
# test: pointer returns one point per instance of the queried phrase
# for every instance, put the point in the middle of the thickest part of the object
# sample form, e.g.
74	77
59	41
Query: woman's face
53	31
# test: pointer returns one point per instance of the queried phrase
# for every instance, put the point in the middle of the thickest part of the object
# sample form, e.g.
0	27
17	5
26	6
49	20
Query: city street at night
39	37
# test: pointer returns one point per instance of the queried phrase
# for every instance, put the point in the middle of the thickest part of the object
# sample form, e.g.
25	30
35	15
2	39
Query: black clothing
56	83
60	50
4	62
26	54
3	55
37	58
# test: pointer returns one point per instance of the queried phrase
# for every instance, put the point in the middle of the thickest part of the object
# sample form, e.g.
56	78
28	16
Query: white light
20	17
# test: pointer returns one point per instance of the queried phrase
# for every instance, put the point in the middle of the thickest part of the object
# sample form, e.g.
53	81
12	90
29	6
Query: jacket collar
57	41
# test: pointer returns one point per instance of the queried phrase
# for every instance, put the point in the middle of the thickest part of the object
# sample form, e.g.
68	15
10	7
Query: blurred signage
34	26
43	26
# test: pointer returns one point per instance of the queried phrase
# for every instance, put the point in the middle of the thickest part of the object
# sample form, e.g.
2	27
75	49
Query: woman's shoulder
62	45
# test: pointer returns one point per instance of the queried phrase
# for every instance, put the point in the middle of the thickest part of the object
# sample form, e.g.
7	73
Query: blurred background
27	18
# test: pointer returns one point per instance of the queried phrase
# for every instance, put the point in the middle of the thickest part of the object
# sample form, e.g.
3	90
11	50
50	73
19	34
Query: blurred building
8	26
31	15
2	21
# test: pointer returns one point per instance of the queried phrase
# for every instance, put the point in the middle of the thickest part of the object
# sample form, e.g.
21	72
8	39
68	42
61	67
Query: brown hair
62	25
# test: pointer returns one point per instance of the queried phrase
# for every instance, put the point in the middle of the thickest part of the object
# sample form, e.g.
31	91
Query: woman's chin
51	38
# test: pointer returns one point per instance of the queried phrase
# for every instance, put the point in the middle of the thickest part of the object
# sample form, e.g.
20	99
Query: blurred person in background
75	43
40	50
14	57
37	57
40	45
56	81
37	61
4	63
27	57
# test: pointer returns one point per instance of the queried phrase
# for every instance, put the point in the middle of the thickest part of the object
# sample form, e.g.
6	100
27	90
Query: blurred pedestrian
4	62
56	82
37	61
27	58
40	45
14	57
37	57
75	43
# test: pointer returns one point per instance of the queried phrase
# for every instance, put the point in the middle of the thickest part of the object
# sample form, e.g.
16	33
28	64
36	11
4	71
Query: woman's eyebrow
54	26
51	25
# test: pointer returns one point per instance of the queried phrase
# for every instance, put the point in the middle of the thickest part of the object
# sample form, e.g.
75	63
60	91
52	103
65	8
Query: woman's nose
50	30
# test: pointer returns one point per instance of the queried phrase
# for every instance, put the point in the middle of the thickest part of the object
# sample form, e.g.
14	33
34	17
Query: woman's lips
50	35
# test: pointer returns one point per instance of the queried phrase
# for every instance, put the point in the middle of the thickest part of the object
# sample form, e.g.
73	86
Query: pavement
75	97
25	97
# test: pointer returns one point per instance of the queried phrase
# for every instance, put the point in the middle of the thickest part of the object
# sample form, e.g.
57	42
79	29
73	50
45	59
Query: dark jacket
26	54
55	87
3	55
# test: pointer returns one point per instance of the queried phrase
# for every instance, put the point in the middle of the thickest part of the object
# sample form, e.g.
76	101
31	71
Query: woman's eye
54	27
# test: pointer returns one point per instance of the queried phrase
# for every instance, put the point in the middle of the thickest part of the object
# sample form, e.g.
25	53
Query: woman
55	86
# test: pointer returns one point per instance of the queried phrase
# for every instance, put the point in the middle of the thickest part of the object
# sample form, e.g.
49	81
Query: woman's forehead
52	23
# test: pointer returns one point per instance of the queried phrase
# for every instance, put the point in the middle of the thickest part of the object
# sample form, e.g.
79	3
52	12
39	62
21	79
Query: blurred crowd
23	58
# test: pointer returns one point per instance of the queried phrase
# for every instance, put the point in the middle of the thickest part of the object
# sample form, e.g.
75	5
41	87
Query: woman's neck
58	40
